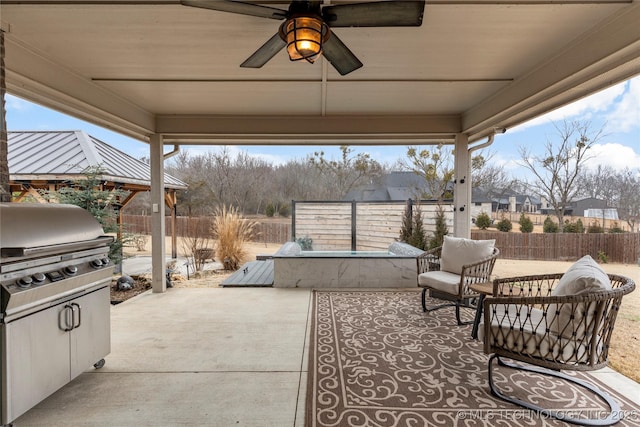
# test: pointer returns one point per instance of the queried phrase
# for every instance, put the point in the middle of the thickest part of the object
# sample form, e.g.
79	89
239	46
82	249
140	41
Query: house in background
392	186
507	200
402	185
594	208
580	207
399	186
589	207
480	203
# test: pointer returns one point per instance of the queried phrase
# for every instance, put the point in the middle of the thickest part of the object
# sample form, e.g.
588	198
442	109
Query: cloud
615	155
16	104
272	159
586	108
626	114
199	150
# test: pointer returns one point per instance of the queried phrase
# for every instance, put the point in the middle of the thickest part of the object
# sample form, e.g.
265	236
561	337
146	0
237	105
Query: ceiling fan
306	31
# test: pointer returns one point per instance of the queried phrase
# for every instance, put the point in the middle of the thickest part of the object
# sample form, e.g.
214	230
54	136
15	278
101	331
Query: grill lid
31	228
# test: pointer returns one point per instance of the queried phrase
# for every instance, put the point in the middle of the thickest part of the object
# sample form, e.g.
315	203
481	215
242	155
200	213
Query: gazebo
50	160
167	73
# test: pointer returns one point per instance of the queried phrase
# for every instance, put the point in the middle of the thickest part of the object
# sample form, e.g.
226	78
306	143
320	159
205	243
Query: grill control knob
105	261
38	278
71	270
96	263
25	282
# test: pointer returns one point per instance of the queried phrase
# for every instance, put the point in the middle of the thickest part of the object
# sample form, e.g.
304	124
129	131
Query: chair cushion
441	281
458	252
574	320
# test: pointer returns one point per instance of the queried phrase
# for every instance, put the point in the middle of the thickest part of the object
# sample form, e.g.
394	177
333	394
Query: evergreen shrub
483	221
548	226
526	225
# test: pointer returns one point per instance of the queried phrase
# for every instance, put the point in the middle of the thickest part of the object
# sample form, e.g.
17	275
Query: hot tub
395	268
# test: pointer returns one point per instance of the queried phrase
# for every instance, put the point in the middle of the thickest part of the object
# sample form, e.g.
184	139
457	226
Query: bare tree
619	189
492	179
250	176
217	178
348	172
557	169
196	244
436	167
599	183
628	202
298	180
193	170
488	175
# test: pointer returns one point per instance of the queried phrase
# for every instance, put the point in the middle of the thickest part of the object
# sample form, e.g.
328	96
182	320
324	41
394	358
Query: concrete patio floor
203	357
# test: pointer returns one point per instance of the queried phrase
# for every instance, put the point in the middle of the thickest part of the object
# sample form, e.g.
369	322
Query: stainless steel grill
54	301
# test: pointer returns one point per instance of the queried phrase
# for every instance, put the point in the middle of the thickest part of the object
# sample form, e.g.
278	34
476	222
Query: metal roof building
49	160
40	159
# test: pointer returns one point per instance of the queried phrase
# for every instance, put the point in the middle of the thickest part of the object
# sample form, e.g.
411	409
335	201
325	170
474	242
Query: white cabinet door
91	336
37	359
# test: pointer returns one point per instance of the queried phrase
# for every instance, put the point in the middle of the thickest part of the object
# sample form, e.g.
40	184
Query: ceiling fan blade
375	14
342	59
238	7
265	53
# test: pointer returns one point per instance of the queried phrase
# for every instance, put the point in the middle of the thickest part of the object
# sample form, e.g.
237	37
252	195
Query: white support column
462	189
158	262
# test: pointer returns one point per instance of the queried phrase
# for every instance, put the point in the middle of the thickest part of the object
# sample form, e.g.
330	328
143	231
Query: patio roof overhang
169	74
146	67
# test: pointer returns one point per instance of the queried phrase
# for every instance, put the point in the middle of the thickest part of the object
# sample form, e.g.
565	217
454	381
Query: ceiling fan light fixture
304	36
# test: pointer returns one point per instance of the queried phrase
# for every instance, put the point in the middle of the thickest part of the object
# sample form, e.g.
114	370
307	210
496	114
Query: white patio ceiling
157	67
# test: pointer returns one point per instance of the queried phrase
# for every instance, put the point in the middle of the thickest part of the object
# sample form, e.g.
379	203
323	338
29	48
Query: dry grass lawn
624	355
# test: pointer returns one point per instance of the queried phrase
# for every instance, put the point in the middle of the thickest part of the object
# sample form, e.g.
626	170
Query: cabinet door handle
65	318
74	304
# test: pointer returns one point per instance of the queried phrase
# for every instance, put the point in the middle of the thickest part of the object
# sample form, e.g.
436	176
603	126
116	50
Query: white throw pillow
458	252
573	320
584	276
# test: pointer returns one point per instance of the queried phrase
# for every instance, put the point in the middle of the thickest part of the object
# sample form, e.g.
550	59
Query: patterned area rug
377	360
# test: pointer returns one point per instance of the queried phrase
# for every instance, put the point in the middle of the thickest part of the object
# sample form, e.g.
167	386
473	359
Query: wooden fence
382	225
538	219
616	247
265	232
361	226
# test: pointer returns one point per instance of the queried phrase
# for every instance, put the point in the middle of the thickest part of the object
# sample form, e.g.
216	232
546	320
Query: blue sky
616	110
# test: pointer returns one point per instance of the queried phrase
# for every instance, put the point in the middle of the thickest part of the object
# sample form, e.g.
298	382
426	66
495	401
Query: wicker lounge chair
448	270
540	321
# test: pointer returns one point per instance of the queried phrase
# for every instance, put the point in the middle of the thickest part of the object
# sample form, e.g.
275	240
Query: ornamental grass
232	232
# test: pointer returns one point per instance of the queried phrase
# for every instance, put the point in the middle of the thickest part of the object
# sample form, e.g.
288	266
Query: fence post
293	220
354	243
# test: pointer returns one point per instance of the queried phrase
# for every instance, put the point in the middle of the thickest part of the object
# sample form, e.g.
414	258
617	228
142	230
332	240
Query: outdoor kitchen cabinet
52	356
55	275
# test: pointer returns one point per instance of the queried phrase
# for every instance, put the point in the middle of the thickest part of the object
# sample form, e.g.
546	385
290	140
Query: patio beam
308	130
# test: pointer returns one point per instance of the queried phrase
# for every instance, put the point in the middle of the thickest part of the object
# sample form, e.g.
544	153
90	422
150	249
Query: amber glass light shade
304	37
